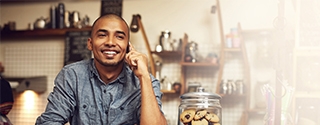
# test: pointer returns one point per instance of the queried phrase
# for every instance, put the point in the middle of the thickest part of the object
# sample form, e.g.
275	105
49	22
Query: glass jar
200	108
191	53
165	40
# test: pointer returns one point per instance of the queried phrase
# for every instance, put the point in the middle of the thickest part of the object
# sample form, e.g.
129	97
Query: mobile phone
128	49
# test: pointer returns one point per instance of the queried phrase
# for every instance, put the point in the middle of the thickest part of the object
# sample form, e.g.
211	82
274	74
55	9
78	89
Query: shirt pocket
91	113
124	115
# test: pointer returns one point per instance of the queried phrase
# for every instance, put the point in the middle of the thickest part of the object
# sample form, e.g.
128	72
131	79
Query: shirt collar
121	78
93	69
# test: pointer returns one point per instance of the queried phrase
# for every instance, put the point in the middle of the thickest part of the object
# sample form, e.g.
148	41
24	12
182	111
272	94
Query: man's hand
139	65
137	61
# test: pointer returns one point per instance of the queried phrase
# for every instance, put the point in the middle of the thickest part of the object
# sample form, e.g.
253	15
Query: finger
133	68
134	62
131	59
131	47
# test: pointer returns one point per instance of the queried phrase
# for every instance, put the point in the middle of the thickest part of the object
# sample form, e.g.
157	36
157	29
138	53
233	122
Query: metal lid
200	94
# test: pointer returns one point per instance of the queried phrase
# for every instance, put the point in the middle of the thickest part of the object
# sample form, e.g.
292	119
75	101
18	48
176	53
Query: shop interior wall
44	56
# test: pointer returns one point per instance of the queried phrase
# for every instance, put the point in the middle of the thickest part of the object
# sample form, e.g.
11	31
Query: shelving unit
179	55
306	63
246	79
185	65
39	33
165	55
219	67
245	98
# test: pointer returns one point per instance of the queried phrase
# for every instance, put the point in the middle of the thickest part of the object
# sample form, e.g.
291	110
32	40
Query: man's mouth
110	52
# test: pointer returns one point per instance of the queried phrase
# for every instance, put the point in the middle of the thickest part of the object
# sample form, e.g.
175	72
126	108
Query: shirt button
84	106
104	91
106	112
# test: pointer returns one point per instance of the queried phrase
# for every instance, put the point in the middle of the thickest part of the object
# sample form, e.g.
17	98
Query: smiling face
109	41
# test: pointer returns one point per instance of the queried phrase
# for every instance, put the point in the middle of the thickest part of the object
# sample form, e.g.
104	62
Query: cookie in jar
199	117
200	108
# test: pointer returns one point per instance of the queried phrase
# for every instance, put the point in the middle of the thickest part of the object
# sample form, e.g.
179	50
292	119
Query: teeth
109	52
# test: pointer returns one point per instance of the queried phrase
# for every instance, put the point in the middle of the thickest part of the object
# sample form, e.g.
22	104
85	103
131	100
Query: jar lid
200	94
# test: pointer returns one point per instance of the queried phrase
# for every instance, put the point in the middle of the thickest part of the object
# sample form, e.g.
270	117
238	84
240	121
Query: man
113	88
6	99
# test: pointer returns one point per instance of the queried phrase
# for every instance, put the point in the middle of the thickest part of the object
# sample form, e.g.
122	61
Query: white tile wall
36	58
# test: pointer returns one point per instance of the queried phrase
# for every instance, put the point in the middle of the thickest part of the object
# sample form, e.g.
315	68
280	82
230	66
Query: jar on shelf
165	40
200	107
191	54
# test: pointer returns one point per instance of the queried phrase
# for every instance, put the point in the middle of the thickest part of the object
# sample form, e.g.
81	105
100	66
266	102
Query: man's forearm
150	111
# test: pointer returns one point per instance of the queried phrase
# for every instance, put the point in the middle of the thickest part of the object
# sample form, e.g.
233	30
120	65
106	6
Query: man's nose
109	41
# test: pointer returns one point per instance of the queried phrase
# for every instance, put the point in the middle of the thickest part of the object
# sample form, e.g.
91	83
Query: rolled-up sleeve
157	90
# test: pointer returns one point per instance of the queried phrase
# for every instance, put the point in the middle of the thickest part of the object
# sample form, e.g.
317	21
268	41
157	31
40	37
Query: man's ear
89	44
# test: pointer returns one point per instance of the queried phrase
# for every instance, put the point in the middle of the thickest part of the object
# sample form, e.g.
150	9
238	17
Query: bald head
109	34
109	16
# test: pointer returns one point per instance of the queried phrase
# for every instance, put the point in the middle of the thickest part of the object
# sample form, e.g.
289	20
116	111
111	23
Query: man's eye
120	37
101	35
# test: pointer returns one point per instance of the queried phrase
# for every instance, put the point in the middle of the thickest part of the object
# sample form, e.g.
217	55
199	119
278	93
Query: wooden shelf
29	1
39	33
199	64
168	53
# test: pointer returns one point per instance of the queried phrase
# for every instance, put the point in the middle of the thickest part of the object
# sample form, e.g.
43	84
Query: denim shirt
82	98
